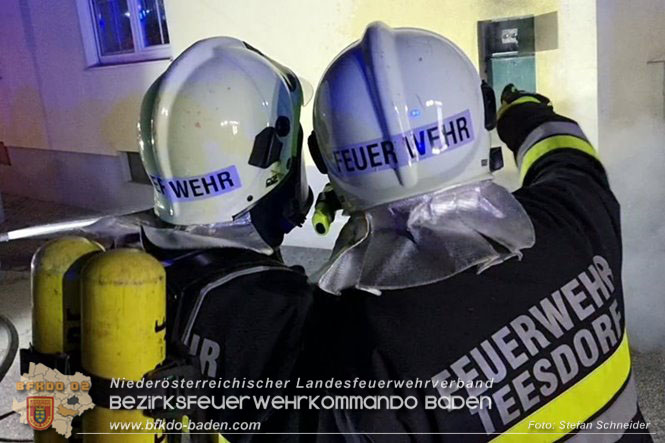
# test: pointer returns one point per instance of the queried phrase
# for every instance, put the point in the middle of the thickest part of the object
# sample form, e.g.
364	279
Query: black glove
521	112
511	94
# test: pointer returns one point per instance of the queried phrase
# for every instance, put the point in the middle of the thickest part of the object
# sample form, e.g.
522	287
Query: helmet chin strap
281	210
286	206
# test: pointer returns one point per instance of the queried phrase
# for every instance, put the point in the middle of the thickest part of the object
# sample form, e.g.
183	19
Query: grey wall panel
85	180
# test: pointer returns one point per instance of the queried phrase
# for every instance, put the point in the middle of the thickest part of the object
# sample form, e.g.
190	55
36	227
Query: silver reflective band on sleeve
547	130
622	410
225	279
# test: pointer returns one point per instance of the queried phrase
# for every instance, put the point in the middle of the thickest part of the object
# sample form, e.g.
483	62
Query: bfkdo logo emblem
40	412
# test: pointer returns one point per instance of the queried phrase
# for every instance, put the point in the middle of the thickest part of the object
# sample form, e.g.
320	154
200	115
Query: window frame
140	53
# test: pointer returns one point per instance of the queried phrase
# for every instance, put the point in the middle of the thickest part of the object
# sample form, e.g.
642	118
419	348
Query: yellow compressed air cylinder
56	268
123	313
55	274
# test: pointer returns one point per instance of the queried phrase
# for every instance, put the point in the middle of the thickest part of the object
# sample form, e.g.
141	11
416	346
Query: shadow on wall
635	159
119	118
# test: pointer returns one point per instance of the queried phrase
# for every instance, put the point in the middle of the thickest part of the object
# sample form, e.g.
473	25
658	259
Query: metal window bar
136	26
159	21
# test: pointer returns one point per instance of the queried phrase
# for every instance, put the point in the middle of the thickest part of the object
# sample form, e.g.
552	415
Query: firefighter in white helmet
491	314
221	142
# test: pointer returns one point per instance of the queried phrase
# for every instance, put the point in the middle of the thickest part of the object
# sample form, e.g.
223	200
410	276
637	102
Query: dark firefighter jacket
536	346
240	316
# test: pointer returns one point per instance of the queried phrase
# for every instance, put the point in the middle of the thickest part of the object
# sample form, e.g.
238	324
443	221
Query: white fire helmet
219	135
399	113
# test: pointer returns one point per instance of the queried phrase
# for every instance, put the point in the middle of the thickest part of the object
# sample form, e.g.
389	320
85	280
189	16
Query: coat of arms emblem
40	412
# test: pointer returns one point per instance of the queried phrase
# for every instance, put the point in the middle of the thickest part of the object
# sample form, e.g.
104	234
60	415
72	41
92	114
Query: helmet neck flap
428	238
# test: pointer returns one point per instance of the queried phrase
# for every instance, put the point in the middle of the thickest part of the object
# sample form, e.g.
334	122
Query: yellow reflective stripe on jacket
550	144
578	403
525	99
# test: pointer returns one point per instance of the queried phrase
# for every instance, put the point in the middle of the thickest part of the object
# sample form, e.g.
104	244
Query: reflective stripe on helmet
197	187
402	149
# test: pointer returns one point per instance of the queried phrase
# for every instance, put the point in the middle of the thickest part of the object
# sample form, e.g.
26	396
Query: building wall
307	35
22	113
65	121
78	179
631	119
53	99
